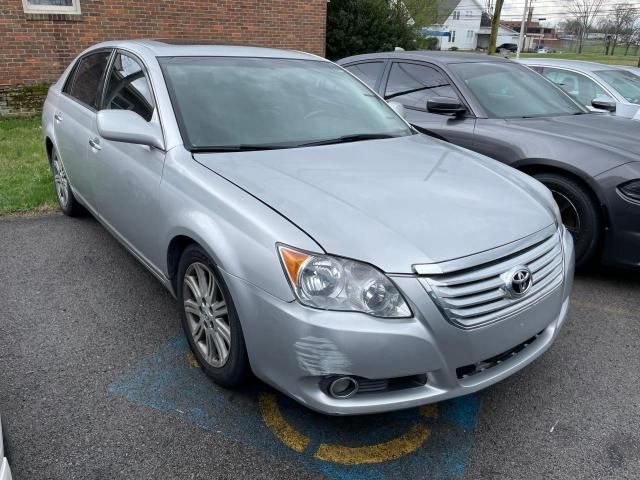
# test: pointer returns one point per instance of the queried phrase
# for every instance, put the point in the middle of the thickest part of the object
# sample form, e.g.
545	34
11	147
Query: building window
453	37
469	13
67	7
469	34
456	15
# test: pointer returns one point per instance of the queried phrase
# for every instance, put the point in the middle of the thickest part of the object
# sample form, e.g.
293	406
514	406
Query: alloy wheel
207	314
60	180
568	212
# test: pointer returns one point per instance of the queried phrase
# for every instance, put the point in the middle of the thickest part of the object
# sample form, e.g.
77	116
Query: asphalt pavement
96	382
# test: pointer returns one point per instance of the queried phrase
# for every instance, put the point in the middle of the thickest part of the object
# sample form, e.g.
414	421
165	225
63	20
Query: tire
209	325
67	201
580	214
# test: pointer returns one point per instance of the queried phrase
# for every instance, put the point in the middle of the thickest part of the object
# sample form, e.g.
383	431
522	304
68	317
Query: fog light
343	387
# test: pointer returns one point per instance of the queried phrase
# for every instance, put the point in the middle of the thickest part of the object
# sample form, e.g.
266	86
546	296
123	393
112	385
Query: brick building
39	38
536	34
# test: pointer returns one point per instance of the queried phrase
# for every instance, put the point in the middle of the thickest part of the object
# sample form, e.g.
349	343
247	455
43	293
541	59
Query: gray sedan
591	161
308	232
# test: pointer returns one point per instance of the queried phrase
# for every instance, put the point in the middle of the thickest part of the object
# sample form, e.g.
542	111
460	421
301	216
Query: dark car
496	107
511	47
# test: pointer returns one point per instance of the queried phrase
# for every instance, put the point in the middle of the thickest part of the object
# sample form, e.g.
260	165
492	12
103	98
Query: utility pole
522	28
495	25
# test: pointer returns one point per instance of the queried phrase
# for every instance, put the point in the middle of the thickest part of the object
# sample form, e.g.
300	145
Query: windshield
238	102
625	83
509	90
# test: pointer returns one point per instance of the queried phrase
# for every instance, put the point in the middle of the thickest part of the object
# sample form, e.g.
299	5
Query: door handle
57	117
95	144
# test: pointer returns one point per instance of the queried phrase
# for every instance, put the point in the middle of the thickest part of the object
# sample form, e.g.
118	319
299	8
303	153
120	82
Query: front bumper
622	238
293	347
5	471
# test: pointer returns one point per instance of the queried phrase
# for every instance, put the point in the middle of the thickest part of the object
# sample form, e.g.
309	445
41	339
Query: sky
553	10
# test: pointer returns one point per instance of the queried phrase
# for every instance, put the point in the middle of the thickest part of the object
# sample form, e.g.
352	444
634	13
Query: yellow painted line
191	360
278	425
429	411
406	443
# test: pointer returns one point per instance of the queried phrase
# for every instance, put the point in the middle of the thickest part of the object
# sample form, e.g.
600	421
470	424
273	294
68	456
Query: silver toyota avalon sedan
310	235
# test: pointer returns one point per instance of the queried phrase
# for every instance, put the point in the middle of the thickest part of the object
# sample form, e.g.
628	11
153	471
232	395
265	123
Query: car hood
602	131
393	202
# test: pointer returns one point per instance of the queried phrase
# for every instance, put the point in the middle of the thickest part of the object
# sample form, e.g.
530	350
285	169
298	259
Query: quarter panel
48	110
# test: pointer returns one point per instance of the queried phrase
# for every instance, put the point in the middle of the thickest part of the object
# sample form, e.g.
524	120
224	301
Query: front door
412	84
128	175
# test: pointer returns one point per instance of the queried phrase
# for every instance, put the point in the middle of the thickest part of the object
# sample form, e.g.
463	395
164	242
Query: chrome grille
476	296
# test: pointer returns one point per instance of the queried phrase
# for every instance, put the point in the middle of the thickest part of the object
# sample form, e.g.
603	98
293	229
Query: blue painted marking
166	382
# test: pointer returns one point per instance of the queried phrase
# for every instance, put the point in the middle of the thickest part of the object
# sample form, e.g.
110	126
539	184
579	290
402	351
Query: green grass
590	57
25	178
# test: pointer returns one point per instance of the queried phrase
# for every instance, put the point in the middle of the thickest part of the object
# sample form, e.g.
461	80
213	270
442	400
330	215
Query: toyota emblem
518	281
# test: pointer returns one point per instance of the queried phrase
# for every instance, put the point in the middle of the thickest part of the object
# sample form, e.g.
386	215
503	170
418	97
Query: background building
464	27
40	37
536	34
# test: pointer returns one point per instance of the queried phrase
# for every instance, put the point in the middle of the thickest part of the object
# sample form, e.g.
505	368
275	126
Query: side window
128	88
579	86
368	72
412	85
86	82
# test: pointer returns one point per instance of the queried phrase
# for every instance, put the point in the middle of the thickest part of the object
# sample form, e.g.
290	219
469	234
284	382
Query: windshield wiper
349	138
238	148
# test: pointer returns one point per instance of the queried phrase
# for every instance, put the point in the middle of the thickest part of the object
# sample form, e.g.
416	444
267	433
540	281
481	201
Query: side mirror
128	127
398	108
604	103
445	106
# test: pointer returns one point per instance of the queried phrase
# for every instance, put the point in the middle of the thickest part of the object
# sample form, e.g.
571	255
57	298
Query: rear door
412	84
73	119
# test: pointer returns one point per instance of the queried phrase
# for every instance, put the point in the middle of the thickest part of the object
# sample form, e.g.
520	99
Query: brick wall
36	48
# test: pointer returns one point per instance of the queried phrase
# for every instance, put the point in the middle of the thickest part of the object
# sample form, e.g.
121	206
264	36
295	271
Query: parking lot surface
96	382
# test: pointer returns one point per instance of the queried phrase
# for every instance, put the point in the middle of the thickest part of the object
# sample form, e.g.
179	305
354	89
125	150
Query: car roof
630	68
441	58
170	48
581	65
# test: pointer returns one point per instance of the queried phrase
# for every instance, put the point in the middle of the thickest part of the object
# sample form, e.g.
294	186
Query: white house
464	27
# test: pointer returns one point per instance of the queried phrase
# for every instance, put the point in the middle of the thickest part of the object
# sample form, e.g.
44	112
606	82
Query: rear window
368	72
87	78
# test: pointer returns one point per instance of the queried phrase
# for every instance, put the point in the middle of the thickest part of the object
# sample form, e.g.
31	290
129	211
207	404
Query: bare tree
605	26
495	26
584	12
631	34
622	21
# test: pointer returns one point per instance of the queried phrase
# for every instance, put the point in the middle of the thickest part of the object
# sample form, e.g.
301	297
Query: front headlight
631	190
334	283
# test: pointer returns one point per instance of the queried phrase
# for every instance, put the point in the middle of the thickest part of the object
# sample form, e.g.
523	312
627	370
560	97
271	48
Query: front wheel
580	214
209	319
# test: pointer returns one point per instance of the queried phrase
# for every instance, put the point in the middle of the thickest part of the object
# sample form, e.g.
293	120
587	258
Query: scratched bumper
292	347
